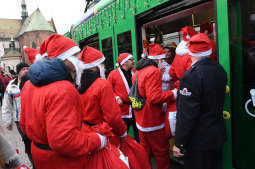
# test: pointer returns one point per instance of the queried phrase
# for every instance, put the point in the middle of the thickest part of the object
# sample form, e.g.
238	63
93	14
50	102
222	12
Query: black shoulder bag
137	102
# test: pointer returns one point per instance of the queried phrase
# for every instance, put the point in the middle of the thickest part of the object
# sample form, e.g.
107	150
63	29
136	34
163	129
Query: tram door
107	47
242	44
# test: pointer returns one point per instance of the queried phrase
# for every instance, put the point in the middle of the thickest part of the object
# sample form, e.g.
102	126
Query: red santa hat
187	32
33	54
155	51
206	28
199	45
58	46
123	57
91	57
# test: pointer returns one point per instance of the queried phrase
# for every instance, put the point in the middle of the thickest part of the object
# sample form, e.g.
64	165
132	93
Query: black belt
89	124
42	146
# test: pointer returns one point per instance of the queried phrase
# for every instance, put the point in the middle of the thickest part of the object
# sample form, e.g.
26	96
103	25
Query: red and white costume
54	116
182	60
120	85
99	102
150	119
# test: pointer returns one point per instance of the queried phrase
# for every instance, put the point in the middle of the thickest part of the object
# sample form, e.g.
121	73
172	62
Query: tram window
92	41
108	53
167	29
124	42
243	40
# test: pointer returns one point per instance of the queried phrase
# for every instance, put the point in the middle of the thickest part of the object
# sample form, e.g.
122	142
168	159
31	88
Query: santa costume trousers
156	143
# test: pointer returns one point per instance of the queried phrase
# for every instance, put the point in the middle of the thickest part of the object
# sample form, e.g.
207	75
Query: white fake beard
102	71
78	69
79	73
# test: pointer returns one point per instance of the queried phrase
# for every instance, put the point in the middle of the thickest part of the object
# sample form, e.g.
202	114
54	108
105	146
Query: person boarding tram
121	81
200	128
182	60
150	119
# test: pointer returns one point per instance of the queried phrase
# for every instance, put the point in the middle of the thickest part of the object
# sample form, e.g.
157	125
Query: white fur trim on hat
38	57
126	59
69	52
45	54
201	54
182	49
93	64
157	56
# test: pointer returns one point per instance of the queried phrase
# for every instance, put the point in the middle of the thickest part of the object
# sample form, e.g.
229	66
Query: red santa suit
120	85
182	61
150	119
121	89
53	119
99	102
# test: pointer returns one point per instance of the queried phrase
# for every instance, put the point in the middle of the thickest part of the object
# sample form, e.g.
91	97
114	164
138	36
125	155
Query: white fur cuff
103	140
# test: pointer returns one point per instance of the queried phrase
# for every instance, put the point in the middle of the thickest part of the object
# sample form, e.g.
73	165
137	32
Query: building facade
28	31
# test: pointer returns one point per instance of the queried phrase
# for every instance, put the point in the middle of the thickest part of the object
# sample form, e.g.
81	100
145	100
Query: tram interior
166	30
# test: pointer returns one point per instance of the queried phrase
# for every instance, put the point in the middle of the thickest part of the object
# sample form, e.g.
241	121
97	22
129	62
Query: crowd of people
70	115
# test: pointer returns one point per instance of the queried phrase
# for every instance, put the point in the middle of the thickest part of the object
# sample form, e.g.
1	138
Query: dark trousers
203	160
27	143
131	122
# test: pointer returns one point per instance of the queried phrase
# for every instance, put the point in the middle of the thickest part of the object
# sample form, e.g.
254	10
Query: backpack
137	102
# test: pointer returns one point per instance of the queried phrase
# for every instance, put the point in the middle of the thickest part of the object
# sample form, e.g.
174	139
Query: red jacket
100	105
52	114
180	65
151	116
121	89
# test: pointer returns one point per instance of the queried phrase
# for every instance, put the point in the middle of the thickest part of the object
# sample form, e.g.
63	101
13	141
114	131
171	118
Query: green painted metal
224	59
102	4
123	27
67	34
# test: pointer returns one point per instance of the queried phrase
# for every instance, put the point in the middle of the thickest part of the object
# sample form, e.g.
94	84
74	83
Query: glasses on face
132	59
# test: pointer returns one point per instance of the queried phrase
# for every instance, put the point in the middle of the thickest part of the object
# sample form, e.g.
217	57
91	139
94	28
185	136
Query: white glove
175	93
103	140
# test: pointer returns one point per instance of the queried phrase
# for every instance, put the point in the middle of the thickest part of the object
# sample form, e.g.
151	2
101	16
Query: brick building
15	33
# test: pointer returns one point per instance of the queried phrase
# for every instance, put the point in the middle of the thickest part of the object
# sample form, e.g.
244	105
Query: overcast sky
64	12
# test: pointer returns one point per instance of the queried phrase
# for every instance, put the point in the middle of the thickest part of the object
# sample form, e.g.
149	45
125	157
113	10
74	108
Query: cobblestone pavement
15	140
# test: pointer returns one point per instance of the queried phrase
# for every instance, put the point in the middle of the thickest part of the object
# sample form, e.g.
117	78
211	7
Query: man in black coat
200	128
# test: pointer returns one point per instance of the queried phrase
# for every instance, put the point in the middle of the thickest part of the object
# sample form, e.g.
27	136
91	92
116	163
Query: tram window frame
171	12
92	41
127	42
109	60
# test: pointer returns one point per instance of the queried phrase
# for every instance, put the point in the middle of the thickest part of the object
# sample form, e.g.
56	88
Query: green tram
116	26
